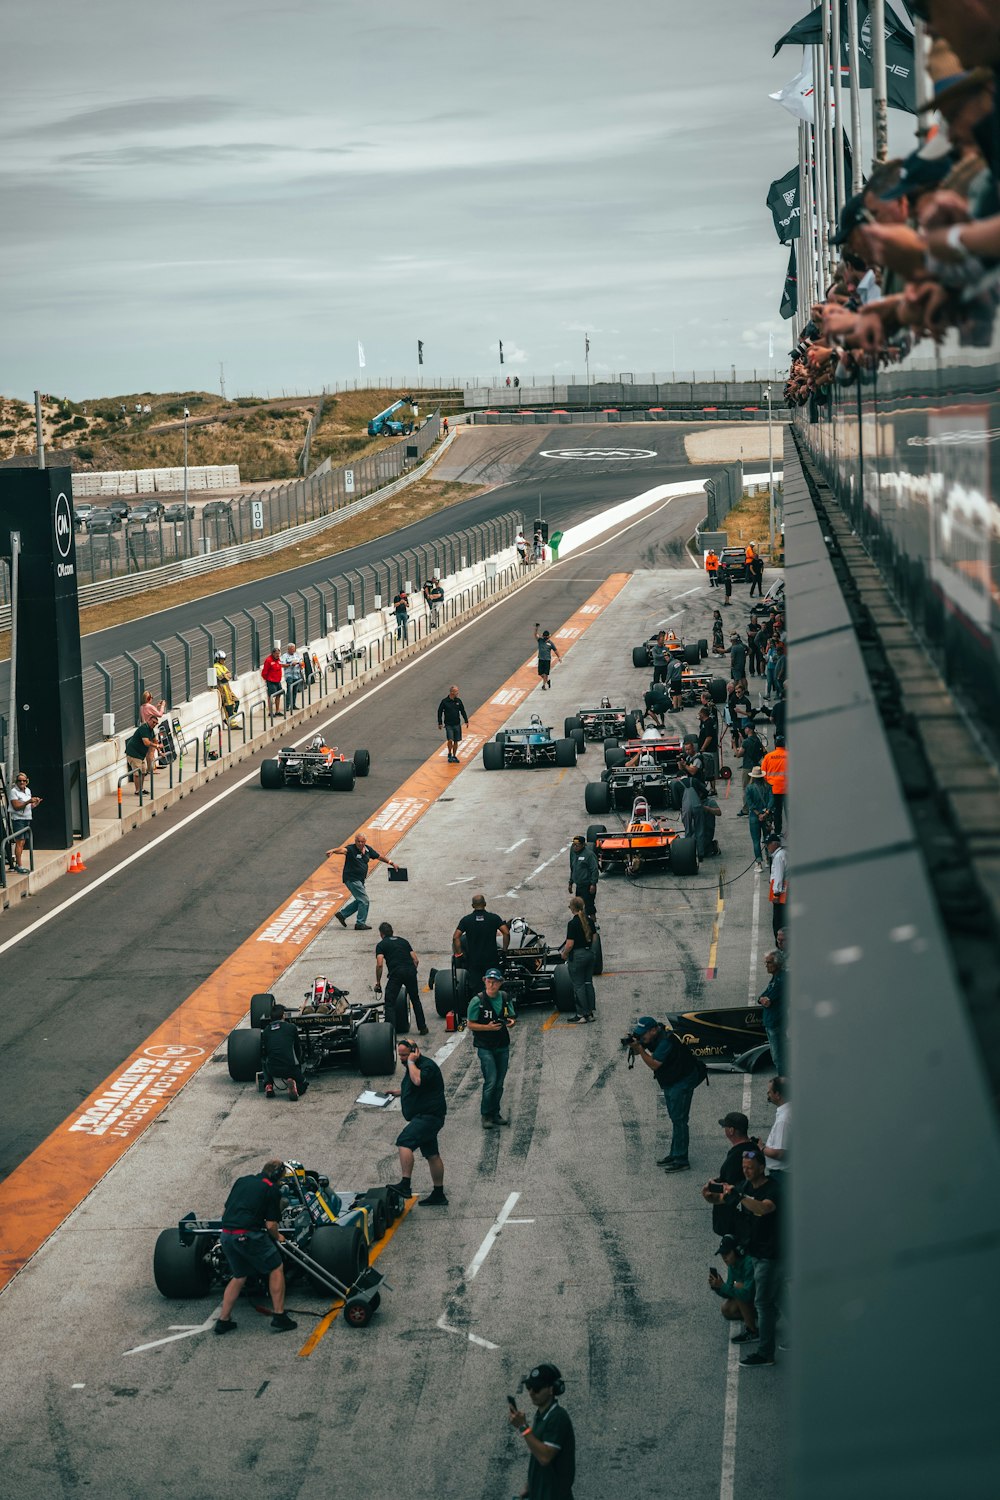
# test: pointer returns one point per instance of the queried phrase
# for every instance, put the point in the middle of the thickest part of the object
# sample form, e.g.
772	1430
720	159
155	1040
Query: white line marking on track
473	1338
463	881
517	845
474	1267
537	871
187	1331
695	590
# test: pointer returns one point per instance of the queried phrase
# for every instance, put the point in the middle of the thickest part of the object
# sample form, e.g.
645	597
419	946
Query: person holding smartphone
550	1438
22	805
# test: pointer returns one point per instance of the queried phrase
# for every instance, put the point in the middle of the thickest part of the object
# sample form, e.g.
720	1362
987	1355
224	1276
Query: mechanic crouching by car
280	1056
491	1018
250	1238
584	874
678	1073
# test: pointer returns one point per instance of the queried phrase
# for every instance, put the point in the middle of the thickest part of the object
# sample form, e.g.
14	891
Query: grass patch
749	522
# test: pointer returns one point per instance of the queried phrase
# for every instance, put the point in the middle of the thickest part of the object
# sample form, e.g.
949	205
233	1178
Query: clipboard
400	874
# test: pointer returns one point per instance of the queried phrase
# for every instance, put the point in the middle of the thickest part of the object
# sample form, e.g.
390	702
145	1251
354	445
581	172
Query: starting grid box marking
399	813
508	695
591	609
299	920
567	633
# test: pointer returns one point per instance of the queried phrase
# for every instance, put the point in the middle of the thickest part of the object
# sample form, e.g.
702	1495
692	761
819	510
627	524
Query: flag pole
831	189
837	51
880	102
857	136
922	80
819	171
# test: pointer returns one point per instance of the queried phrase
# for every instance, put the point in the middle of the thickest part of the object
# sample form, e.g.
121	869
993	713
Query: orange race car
319	765
645	840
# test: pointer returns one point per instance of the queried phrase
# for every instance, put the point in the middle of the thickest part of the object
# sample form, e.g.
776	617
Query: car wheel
703	648
631	727
401	1014
260	1010
614	755
500	738
565	752
376	1202
342	776
570	724
375	1048
493	756
717	688
244	1051
593	829
579	739
362	762
597	797
611	740
598	947
358	1310
444	992
271	775
339	1249
562	989
692	655
683	857
640	656
180	1270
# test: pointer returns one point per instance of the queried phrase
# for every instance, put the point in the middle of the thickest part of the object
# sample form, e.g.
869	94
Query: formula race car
604	723
659	749
533	746
694	682
326	1247
645	841
319	765
332	1033
619	786
691	651
533	974
732	1040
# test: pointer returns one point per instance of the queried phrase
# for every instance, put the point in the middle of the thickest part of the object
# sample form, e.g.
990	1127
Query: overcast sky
263	184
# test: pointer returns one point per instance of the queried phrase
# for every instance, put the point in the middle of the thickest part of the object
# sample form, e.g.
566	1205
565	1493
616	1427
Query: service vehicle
645	840
731	1039
733	560
533	974
619	786
332	1033
177	511
528	747
319	764
603	723
328	1237
690	651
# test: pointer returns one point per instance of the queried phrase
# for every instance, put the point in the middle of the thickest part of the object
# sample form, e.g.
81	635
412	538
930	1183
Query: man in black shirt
280	1055
725	1218
249	1239
451	712
550	1438
759	1200
424	1108
357	857
476	938
401	974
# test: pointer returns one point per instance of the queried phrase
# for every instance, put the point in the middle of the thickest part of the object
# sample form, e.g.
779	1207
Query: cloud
136	117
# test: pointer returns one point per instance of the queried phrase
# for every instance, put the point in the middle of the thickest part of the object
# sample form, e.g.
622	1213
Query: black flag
900	63
790	296
783	201
808	32
420	351
501	351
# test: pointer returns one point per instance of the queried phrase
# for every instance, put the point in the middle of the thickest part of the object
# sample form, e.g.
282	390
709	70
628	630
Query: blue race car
533	746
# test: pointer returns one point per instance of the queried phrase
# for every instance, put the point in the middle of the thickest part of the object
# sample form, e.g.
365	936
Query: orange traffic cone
76	864
80	866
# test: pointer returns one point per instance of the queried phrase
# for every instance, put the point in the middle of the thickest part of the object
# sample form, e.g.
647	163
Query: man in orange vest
778	885
712	567
775	768
750	550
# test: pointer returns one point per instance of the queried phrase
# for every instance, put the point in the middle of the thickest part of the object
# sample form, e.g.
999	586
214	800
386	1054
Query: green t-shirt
553	1481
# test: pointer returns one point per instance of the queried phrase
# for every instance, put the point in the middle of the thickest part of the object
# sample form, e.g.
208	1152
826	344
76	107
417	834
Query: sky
261	186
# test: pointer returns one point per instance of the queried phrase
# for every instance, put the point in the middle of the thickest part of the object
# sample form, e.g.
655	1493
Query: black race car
327	1239
732	1040
619	786
604	723
528	747
319	765
533	974
690	651
332	1033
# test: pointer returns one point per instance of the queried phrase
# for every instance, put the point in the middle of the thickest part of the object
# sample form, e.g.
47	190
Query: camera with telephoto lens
627	1042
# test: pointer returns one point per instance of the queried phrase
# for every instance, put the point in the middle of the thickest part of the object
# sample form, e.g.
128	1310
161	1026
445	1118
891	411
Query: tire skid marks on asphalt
64	1169
473	1269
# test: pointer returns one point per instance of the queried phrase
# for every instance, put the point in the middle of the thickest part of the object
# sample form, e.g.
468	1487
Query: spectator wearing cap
759	1200
490	1018
759	801
736	1289
772	1006
677	1073
775	768
735	1126
776	1146
778	885
549	1437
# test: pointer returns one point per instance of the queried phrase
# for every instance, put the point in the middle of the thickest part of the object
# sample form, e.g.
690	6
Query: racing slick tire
562	989
703	647
614	755
611	740
244	1053
362	762
444	992
580	741
493	756
683	857
271	775
640	656
717	688
593	829
631	727
597	797
260	1010
565	752
501	737
342	1250
376	1200
180	1270
570	724
692	654
375	1048
342	776
598	947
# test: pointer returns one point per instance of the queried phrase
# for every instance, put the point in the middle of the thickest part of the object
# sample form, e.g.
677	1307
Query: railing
25	835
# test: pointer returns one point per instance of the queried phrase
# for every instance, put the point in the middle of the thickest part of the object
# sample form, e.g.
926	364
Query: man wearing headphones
550	1437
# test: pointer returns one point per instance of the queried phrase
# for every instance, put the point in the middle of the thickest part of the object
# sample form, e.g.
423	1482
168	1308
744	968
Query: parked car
103	521
532	745
149	510
177	511
82	514
217	508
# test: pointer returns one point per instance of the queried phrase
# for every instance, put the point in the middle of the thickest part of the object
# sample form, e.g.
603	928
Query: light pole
770	478
187	514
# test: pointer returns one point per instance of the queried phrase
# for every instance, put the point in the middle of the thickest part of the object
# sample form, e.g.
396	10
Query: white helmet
220	656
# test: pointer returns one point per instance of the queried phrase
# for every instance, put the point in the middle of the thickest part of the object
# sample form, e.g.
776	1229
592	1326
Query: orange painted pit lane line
61	1172
326	1321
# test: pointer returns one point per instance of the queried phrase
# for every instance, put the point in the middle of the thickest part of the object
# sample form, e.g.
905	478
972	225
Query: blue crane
383	423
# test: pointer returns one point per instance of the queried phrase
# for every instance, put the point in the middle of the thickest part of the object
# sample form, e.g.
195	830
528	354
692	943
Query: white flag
361	354
797	96
770	346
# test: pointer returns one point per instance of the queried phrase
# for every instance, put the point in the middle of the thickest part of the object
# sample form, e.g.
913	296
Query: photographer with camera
725	1219
677	1072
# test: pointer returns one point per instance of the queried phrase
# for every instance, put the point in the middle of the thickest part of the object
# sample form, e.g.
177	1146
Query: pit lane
607	1278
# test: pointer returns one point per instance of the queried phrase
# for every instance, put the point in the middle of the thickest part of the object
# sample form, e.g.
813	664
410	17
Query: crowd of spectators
920	244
